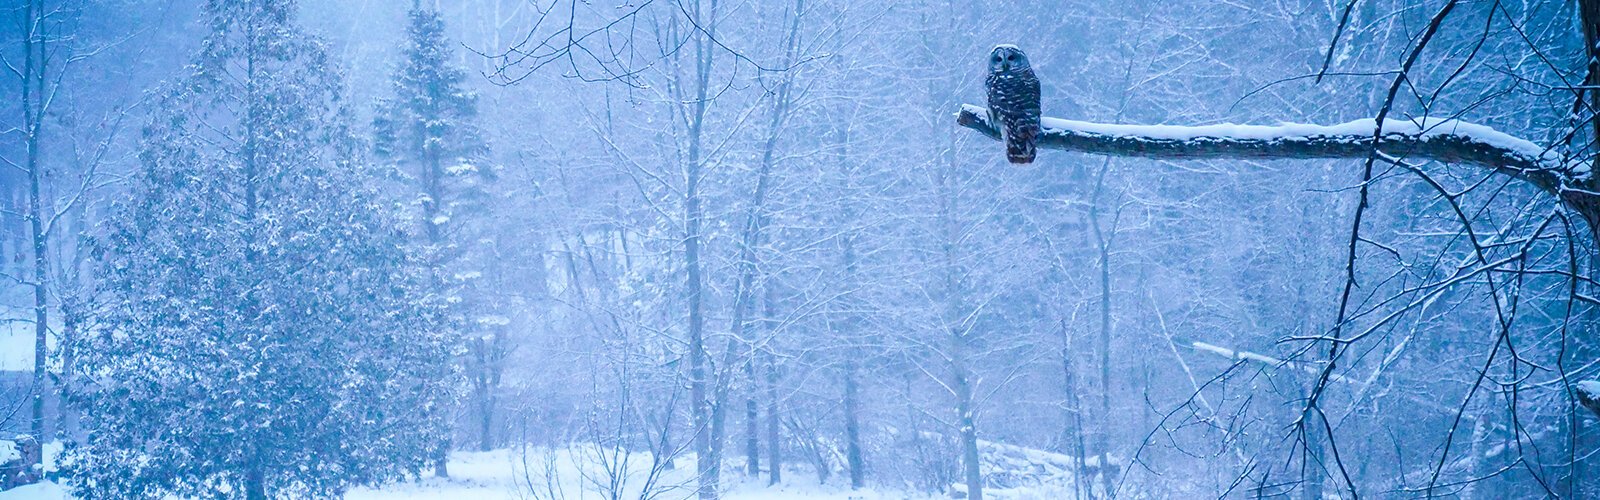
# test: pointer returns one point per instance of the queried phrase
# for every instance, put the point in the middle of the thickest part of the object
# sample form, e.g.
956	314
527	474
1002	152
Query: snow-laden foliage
439	164
426	128
263	331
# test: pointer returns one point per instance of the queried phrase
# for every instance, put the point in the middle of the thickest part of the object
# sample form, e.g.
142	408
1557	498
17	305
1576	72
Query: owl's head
1007	58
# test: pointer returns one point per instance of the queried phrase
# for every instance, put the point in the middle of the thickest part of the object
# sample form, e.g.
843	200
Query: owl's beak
1005	66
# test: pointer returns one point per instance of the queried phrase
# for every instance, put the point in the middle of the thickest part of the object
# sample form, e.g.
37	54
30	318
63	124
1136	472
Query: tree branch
1588	392
1450	141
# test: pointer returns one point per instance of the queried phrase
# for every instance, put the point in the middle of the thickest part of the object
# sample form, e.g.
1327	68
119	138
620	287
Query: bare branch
1448	141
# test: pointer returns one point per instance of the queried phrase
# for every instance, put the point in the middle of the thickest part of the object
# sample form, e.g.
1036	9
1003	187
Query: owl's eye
1011	57
996	58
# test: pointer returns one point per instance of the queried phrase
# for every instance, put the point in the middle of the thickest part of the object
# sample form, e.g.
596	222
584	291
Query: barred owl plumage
1014	102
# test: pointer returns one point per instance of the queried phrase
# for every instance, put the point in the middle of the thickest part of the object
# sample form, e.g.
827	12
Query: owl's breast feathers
1014	95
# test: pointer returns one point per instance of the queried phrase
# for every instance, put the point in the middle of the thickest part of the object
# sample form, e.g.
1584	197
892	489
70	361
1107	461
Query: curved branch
1450	141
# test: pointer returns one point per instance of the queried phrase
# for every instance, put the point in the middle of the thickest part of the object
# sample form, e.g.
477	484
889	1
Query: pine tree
426	128
266	333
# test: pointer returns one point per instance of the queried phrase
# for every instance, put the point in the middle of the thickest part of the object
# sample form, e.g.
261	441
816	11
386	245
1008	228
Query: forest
785	249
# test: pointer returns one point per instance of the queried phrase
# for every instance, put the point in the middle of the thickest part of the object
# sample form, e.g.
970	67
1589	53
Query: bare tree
59	190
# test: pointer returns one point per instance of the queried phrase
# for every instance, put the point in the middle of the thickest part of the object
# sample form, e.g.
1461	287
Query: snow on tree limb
1450	141
1255	357
1589	395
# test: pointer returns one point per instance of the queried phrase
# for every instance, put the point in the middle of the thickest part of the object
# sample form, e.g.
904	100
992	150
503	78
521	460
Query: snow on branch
1450	141
1258	358
1309	368
1589	395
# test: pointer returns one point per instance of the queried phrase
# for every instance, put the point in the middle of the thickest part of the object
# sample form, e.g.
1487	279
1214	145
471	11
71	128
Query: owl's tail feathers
1020	151
1020	157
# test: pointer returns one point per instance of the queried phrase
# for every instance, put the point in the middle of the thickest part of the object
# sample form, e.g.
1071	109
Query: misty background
689	239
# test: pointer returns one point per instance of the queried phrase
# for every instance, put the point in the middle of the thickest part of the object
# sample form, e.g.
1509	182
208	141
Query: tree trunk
852	389
441	458
484	396
953	325
852	426
255	481
967	421
1313	464
71	318
1583	479
752	417
706	459
1102	242
41	324
33	86
774	425
1072	414
1589	18
701	414
755	220
719	428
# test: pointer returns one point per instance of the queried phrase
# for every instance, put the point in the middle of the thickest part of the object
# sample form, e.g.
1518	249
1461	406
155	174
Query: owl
1014	101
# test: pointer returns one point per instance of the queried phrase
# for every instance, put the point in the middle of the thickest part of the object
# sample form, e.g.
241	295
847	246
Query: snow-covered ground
40	491
514	475
16	344
576	473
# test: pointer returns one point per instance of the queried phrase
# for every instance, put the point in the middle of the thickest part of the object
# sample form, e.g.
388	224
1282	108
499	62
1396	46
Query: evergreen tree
266	333
427	130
